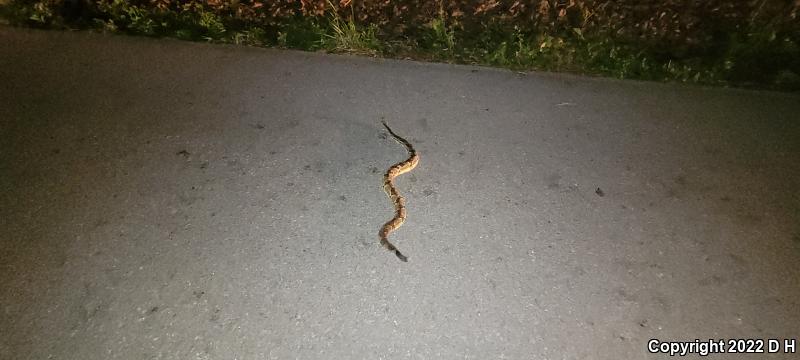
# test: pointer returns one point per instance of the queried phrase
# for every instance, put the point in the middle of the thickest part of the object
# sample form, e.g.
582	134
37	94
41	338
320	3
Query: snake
391	191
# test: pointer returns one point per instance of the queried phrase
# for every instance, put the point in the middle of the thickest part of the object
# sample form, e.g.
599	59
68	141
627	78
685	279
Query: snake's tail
385	242
400	256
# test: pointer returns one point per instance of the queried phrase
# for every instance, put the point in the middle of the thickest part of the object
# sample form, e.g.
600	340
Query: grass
745	61
345	36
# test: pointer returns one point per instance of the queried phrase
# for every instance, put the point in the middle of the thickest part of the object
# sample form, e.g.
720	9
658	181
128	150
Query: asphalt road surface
172	200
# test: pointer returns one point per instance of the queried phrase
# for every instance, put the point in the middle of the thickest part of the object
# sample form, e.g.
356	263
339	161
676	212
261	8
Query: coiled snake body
391	191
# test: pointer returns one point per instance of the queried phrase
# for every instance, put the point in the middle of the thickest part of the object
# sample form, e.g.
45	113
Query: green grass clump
344	35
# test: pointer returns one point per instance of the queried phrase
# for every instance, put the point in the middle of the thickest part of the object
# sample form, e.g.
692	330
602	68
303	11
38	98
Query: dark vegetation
750	43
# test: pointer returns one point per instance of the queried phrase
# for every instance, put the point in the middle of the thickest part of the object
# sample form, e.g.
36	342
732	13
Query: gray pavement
171	200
